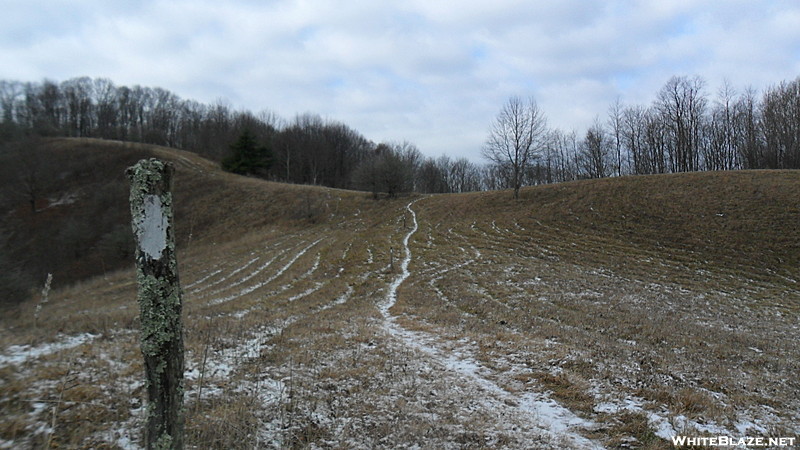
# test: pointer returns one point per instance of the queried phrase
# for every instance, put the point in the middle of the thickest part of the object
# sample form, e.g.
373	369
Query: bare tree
517	136
107	110
722	133
79	108
682	104
465	176
390	168
634	124
615	112
10	94
749	121
779	111
563	148
594	151
30	164
430	177
657	142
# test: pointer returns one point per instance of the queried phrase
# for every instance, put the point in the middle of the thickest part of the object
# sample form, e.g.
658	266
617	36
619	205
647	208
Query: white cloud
428	71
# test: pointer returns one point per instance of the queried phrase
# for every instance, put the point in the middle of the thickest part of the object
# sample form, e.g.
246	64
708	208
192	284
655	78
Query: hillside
605	313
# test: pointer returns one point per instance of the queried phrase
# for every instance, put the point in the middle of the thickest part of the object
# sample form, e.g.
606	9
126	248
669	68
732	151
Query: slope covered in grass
80	223
745	222
597	313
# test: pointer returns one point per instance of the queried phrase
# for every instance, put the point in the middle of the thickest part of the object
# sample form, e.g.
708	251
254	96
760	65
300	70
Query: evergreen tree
247	156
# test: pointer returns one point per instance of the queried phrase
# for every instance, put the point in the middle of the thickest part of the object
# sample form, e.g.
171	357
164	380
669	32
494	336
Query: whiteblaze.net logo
727	441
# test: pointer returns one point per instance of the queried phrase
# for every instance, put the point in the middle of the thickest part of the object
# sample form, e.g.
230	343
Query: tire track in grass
433	266
191	285
316	287
436	274
263	283
534	410
244	279
225	278
203	284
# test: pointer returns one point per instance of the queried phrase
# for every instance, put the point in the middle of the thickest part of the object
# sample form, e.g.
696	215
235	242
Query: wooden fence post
160	303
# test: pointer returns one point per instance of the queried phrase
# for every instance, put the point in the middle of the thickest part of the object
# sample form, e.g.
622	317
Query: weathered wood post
160	303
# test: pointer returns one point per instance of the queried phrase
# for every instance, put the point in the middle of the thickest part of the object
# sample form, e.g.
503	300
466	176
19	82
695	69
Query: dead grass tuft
632	430
568	390
224	423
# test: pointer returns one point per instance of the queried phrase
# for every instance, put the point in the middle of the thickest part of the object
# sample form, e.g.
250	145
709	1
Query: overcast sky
432	72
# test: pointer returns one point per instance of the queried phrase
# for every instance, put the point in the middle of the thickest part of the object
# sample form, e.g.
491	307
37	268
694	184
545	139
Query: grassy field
609	313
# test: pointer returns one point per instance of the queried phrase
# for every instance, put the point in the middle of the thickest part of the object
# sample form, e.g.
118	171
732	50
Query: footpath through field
534	412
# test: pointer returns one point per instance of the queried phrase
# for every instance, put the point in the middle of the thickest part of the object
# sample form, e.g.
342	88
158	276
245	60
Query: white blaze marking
153	228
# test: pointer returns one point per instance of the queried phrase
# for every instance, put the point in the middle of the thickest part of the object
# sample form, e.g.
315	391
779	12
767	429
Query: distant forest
683	129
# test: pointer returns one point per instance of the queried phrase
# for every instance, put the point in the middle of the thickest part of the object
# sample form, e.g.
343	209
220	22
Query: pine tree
247	157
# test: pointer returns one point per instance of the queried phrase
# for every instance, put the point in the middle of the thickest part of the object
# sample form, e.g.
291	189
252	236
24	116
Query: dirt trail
535	412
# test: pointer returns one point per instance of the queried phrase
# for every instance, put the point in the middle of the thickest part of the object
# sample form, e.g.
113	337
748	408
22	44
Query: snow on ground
18	354
221	363
223	279
340	300
263	283
391	298
467	381
666	425
535	410
317	286
202	280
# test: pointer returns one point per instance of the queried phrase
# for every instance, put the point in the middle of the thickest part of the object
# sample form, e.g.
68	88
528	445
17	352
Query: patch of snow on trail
543	412
540	411
391	298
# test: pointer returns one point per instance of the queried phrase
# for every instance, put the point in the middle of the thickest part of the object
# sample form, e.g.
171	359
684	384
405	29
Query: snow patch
305	293
17	354
391	298
225	278
67	198
202	280
261	284
548	416
342	299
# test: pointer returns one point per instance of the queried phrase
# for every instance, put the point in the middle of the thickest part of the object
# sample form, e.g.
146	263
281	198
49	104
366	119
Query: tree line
306	149
683	129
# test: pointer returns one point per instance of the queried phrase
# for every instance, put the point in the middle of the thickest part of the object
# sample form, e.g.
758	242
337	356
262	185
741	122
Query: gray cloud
431	72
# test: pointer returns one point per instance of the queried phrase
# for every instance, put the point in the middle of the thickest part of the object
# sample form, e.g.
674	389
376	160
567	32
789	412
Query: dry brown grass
632	430
592	292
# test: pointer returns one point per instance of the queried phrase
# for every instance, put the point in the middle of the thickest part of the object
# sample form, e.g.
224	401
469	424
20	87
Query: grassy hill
611	313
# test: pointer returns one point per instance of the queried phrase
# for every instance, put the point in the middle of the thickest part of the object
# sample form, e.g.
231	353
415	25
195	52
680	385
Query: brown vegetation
625	300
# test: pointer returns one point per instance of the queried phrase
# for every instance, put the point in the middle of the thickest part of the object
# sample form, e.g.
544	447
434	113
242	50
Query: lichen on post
160	303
